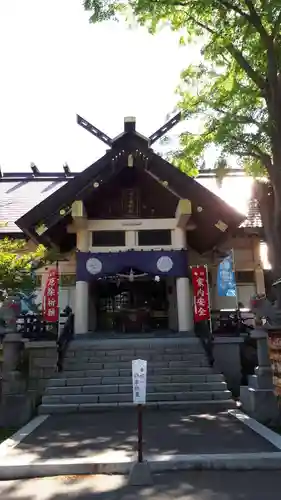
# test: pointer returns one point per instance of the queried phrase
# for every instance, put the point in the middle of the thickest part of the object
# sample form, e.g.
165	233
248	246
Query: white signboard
139	374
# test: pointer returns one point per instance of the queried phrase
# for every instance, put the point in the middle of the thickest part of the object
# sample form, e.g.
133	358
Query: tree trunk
276	236
269	201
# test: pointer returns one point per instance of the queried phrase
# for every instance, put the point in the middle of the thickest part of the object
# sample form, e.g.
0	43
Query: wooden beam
94	130
183	212
78	209
164	129
79	215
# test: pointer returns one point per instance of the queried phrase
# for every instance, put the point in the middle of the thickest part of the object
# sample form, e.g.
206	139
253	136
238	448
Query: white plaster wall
245	292
244	252
131	224
67	298
246	258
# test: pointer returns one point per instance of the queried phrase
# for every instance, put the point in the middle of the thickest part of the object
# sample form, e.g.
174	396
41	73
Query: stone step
157	379
128	389
127	398
97	376
132	348
93	358
87	365
136	352
127	372
194	407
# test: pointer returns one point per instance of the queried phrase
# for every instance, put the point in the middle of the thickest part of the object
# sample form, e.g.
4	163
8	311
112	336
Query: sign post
140	439
139	375
140	474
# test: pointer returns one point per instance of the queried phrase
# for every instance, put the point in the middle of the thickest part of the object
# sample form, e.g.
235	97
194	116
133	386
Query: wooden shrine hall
127	226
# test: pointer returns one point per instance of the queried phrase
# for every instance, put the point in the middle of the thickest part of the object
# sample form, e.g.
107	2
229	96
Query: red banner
201	293
51	297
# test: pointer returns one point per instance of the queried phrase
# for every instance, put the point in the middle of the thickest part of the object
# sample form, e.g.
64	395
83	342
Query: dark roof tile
17	198
253	219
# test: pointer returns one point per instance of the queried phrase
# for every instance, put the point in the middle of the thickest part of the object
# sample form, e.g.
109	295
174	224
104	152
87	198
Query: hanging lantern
131	276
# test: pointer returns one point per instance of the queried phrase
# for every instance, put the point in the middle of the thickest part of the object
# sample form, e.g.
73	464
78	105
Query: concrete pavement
106	444
165	433
192	485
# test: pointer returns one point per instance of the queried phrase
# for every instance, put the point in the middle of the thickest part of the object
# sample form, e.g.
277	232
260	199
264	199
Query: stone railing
42	365
258	397
26	368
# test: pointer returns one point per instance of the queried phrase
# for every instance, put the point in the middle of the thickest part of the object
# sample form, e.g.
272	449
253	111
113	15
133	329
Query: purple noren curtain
162	263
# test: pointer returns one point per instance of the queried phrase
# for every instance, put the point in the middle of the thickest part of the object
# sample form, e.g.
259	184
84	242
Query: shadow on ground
208	485
78	436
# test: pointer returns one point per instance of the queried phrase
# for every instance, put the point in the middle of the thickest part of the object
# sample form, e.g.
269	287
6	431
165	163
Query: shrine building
128	229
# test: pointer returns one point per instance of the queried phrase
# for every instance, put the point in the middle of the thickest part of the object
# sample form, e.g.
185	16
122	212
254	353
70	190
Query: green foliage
103	10
234	91
221	169
17	266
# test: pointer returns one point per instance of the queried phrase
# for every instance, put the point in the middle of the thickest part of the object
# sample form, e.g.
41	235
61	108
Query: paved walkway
208	485
170	433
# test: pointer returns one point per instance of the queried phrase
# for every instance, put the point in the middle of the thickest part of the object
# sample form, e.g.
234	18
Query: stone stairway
97	376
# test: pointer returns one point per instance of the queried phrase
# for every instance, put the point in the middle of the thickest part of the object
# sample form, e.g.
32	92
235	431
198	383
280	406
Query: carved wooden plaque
130	203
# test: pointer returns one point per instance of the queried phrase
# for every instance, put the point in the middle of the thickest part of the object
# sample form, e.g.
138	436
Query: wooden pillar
183	287
81	318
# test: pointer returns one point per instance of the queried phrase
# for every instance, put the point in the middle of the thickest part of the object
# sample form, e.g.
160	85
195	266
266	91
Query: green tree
235	90
17	265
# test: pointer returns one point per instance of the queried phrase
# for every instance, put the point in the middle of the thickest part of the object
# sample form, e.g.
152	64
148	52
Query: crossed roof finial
129	126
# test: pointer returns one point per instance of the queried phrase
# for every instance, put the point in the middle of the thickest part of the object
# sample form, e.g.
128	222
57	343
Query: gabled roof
15	199
53	210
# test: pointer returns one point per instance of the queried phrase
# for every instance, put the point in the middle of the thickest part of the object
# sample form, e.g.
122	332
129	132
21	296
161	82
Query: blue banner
226	284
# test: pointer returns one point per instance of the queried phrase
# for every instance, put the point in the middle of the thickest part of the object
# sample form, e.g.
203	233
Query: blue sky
54	64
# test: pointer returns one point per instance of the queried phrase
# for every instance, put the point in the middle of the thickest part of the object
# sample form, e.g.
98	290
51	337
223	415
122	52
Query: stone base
140	475
15	410
12	347
262	379
13	383
260	404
